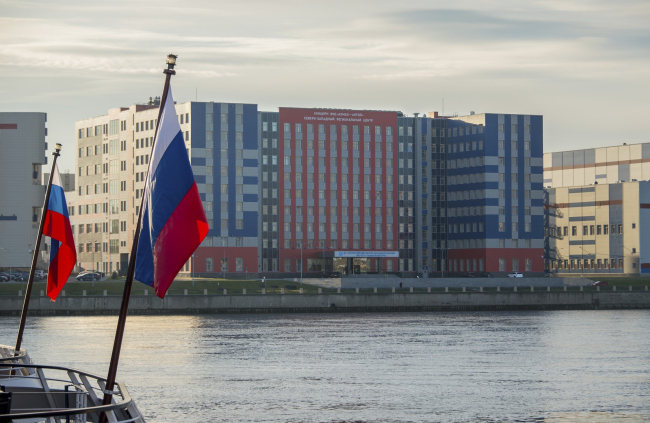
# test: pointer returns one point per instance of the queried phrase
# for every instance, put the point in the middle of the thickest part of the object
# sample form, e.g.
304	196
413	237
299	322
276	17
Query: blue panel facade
198	125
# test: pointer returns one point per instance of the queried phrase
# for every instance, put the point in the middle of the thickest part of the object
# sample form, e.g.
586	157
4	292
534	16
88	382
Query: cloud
482	55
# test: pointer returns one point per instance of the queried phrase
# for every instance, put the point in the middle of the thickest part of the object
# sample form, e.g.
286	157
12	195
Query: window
574	230
208	265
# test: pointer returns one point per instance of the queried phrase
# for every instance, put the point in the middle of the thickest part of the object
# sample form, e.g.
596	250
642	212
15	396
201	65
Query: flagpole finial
57	150
171	62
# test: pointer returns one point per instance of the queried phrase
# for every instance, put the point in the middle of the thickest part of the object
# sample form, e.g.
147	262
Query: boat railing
54	394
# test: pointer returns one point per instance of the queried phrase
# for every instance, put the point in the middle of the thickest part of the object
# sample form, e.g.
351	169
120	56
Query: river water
560	366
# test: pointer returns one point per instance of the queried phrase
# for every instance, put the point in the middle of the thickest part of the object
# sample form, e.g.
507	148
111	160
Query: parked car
90	276
23	277
469	275
4	277
515	275
485	275
332	274
40	274
600	283
14	274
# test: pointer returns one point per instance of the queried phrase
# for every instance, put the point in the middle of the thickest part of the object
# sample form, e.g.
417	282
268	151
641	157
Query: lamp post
8	249
192	270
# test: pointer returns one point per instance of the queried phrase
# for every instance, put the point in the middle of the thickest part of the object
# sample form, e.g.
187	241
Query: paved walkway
392	281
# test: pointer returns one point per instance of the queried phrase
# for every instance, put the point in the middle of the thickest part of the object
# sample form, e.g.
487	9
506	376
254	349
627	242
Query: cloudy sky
584	65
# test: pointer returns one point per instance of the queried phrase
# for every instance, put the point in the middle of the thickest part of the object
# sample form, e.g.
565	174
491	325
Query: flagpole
30	282
121	323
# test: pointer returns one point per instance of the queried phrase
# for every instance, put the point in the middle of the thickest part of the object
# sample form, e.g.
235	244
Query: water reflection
482	367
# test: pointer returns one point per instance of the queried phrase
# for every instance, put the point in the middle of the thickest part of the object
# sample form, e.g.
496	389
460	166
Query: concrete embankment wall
306	303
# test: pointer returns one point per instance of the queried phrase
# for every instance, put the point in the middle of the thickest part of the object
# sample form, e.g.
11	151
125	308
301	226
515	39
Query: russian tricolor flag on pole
63	254
173	221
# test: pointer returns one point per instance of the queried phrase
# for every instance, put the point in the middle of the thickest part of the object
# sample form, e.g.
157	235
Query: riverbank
521	299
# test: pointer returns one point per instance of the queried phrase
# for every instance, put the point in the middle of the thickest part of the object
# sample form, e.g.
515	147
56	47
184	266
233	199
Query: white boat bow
35	393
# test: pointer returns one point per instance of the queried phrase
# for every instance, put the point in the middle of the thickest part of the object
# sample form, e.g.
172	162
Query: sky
583	65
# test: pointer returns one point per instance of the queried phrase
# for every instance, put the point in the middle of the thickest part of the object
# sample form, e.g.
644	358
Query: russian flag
173	221
63	254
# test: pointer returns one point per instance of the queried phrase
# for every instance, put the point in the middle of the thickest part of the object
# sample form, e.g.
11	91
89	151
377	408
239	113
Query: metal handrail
21	355
124	404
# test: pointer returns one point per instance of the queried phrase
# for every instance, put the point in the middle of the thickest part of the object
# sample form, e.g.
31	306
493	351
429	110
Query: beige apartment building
112	158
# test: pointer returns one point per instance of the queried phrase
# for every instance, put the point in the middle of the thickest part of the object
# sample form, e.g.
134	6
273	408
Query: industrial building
597	207
22	152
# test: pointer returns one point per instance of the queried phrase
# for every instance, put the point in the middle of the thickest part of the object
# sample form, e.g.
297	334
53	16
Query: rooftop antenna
443	106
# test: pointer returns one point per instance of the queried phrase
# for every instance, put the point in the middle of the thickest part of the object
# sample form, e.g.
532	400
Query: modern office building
597	206
495	193
325	190
339	193
22	152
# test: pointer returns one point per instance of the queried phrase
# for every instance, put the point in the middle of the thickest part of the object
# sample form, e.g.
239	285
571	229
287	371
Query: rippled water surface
565	366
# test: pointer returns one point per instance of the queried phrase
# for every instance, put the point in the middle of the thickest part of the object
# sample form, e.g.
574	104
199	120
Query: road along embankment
332	303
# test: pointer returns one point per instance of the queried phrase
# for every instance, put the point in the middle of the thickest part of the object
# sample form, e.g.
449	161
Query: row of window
239	264
333	244
465	163
333	129
88	228
309	194
209	119
90	131
101	247
513	161
356	178
586	230
514	146
209	136
468	178
460	131
378	211
322	227
513	128
528	265
466	195
336	162
607	263
459	228
515	226
332	145
147	125
110	187
461	147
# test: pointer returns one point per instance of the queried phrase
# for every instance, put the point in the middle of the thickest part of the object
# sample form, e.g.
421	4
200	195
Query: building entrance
359	262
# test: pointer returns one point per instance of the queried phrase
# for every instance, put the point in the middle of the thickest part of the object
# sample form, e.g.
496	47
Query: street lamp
301	263
8	249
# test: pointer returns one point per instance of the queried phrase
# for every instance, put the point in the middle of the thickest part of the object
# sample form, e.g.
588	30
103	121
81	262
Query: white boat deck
33	393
